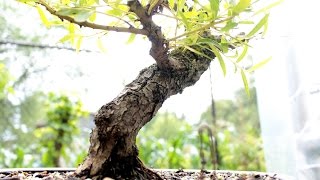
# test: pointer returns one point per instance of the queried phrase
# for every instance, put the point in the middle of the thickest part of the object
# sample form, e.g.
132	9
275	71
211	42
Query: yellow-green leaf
265	9
220	59
93	17
243	54
214	5
71	28
100	45
65	38
229	25
197	52
78	45
245	82
241	6
171	4
83	15
265	28
260	24
131	38
43	17
259	65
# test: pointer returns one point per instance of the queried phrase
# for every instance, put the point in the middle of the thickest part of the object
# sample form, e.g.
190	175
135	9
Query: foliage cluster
187	24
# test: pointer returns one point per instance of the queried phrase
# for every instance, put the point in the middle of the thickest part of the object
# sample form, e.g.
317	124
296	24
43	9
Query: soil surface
165	174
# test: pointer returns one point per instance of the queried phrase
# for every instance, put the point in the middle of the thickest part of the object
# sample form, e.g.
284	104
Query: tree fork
112	151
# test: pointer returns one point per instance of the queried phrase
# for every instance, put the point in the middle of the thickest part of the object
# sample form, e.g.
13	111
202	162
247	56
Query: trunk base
124	168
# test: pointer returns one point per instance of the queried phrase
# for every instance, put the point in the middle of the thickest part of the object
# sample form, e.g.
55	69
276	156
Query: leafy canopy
183	22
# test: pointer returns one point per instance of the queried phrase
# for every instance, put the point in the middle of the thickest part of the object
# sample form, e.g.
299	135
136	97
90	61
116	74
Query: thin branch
201	28
41	46
93	25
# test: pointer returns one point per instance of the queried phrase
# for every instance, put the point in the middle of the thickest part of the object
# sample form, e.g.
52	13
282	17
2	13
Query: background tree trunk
113	152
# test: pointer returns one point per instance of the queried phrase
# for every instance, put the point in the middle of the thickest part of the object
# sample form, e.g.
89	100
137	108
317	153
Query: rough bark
113	152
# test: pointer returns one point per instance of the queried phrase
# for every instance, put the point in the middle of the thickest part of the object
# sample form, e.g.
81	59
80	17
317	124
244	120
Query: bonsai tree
182	51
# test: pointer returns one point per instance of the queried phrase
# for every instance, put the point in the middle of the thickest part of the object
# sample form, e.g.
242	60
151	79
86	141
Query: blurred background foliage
45	129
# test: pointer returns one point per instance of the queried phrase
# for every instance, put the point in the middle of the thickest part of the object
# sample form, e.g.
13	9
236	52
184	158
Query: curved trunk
113	152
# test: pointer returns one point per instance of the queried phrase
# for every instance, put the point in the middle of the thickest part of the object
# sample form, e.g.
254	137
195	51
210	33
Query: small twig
93	25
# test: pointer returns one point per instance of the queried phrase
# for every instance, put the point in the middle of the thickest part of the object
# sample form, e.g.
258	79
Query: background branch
41	46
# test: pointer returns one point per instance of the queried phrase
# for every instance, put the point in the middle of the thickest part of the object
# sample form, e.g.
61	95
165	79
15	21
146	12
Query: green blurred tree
57	134
238	132
168	142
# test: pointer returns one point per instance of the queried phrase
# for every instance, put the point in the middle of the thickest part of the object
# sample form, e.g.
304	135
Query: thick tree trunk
113	152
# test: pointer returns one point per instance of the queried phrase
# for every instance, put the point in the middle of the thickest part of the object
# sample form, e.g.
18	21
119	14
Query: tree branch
159	45
93	25
41	46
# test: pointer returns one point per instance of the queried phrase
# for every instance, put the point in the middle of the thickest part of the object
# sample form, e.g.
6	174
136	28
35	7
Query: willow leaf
243	54
259	65
220	59
43	17
261	23
245	82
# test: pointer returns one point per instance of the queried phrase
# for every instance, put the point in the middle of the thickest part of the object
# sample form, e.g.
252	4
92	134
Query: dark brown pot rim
54	169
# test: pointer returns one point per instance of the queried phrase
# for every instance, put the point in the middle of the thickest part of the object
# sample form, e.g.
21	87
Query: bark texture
113	152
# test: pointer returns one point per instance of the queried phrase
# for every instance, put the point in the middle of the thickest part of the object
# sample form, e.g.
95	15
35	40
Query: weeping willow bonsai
182	51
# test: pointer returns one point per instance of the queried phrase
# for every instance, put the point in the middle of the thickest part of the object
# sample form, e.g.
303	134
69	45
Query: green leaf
229	25
93	17
259	65
265	28
83	15
67	11
184	20
214	5
171	3
261	23
197	52
65	38
78	45
245	82
43	17
115	12
80	15
241	6
246	22
265	9
221	61
131	38
100	45
243	54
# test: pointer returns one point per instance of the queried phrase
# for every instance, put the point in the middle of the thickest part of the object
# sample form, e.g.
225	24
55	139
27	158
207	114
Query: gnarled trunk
113	152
